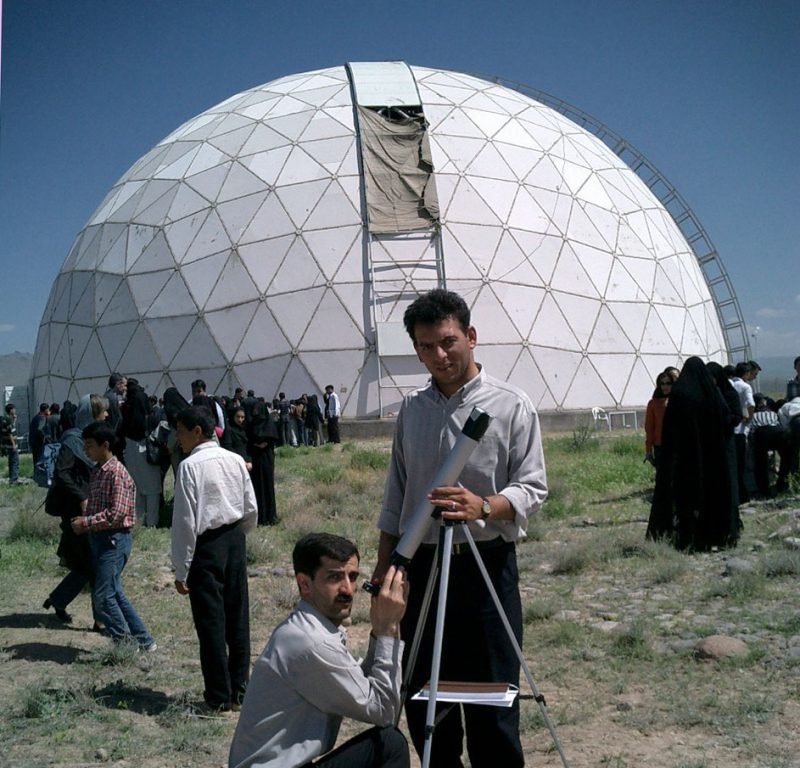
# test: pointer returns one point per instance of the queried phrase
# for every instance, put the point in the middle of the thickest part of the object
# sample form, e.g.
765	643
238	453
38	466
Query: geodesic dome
239	250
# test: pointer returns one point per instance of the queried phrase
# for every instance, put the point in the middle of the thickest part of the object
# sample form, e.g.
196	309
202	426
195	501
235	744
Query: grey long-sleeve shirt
508	460
304	683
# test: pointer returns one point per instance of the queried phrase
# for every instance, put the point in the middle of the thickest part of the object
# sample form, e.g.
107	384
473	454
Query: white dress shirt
212	489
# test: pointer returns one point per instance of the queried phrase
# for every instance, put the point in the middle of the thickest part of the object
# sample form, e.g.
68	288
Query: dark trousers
476	648
375	748
217	584
741	455
13	465
766	439
333	429
792	462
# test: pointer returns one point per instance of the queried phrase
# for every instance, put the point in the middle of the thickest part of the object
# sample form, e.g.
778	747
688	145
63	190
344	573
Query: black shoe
60	612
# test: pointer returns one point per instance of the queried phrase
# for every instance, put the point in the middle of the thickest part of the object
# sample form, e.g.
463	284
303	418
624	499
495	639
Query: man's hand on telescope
389	605
458	503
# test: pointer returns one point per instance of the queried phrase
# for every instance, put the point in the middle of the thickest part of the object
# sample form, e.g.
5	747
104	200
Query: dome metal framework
240	250
717	279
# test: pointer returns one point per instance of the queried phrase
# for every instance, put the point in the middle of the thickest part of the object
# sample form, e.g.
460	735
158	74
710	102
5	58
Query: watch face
486	509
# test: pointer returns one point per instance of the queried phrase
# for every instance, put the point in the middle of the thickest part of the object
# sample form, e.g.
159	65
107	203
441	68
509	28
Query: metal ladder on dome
394	284
401	264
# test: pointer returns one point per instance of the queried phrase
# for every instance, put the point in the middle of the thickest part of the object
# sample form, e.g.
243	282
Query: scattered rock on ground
717	647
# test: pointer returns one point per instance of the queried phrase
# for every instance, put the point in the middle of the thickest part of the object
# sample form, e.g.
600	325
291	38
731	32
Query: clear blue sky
708	90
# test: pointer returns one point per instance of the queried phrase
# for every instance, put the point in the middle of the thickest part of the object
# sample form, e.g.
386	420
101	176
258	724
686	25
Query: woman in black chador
263	436
235	436
692	503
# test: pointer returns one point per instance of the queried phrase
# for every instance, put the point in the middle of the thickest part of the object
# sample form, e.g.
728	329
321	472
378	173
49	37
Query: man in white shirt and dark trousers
332	412
744	374
306	681
215	506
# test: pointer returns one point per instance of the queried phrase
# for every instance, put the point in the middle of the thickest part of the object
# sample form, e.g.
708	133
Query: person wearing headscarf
263	436
734	413
66	499
235	436
313	421
174	403
693	504
146	476
654	418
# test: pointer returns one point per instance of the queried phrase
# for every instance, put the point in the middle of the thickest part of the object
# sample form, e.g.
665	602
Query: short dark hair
101	432
44	407
197	416
433	307
10	407
796	361
742	369
199	384
309	551
114	379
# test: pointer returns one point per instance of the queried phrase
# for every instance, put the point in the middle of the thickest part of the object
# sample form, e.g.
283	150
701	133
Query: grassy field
611	623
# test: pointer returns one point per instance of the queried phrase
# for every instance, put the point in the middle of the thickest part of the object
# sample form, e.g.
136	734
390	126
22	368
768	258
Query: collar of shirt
202	446
306	607
461	394
107	466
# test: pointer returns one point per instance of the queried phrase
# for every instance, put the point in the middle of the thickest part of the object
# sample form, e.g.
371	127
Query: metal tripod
441	563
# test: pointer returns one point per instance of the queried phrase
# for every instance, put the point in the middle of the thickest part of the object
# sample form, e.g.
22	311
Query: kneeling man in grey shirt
306	681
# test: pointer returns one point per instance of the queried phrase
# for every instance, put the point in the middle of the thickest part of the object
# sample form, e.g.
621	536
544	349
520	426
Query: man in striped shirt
110	515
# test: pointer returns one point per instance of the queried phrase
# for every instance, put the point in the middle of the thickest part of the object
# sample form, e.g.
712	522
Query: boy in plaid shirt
110	515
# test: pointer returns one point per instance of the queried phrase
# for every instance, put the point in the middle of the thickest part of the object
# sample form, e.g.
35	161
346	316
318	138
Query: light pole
754	337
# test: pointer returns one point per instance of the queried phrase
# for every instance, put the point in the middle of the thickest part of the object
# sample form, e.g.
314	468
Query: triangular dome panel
550	328
263	259
199	350
174	299
263	339
294	311
233	287
168	335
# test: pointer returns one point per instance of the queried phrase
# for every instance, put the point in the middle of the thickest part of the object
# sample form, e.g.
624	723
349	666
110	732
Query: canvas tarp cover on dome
399	187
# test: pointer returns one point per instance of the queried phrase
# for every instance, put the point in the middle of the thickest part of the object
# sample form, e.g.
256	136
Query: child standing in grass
110	515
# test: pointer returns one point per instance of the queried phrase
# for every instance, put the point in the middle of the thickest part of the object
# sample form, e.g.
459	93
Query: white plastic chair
599	414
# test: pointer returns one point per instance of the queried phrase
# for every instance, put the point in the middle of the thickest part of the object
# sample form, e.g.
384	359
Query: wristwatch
486	509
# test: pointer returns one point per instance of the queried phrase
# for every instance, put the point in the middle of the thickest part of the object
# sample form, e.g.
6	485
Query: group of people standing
301	420
130	420
703	432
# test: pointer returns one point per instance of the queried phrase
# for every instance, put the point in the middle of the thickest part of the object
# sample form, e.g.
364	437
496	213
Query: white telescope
447	474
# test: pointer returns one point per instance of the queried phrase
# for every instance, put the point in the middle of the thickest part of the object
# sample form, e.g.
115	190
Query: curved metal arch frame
719	284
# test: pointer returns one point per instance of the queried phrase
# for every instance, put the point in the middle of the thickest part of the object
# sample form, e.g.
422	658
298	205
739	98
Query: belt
462	548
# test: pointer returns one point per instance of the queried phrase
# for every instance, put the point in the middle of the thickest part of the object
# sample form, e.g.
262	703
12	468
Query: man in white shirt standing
306	681
215	506
745	373
332	412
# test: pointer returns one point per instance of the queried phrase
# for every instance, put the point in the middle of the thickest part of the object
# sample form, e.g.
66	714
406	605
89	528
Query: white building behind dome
237	251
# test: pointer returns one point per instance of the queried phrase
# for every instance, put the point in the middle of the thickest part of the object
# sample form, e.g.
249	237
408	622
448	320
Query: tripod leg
445	552
411	662
513	640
